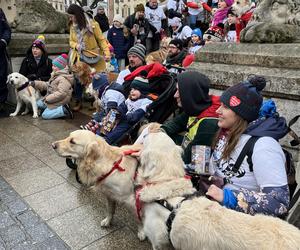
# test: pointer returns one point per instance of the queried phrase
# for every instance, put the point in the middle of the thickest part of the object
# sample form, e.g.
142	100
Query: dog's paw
35	116
13	114
24	113
105	222
141	235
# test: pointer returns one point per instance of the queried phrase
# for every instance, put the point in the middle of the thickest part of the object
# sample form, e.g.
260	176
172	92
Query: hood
64	73
211	110
193	89
154	70
275	127
152	8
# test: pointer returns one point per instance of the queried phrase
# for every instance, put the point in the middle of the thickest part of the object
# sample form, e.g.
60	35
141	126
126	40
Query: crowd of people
224	123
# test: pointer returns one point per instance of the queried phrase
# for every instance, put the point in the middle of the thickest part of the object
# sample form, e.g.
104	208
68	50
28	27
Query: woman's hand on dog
215	193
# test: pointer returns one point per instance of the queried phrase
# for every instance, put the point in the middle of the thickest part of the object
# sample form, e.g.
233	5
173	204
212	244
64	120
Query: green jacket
204	136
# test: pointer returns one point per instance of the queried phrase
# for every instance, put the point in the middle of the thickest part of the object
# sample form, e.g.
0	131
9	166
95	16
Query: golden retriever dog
96	159
25	94
161	54
199	223
84	72
161	176
203	224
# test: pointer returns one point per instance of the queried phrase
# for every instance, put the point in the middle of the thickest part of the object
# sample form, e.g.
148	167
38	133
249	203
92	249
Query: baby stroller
163	88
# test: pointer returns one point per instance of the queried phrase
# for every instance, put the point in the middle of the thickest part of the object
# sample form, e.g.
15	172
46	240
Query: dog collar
24	86
116	165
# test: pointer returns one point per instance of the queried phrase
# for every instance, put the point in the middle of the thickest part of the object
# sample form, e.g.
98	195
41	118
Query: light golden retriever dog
161	176
199	223
95	159
161	54
203	224
25	94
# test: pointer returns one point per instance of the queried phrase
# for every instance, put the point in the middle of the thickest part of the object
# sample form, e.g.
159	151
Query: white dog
25	94
161	177
198	223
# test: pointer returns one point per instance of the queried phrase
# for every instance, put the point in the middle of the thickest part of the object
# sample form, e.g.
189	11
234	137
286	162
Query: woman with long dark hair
87	44
258	183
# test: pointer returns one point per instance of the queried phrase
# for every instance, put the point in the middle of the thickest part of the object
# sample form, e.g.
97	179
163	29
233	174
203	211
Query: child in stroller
120	119
109	97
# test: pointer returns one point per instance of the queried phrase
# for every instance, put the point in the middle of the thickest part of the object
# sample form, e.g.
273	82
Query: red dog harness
116	165
138	203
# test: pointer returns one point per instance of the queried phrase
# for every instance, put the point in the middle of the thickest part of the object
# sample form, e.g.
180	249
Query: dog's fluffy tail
166	190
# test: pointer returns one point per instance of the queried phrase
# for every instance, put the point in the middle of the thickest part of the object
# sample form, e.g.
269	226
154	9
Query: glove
32	83
2	45
32	77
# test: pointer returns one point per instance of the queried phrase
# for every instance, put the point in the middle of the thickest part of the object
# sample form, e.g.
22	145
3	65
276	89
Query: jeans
152	44
78	90
50	113
3	78
192	21
121	64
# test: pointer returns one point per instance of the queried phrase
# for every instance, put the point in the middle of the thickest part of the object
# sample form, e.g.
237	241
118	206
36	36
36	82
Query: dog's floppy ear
148	164
91	153
8	79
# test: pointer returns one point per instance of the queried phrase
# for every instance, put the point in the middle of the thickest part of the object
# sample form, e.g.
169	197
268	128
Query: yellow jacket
92	41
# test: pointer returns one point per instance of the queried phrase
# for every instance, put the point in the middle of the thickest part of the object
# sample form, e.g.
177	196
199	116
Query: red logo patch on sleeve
234	101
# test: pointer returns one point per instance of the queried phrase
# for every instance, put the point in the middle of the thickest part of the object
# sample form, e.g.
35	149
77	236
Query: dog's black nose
54	145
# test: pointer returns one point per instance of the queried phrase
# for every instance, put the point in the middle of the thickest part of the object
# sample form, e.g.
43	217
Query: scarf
177	59
219	16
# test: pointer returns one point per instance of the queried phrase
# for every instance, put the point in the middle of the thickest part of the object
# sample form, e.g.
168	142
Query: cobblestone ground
41	204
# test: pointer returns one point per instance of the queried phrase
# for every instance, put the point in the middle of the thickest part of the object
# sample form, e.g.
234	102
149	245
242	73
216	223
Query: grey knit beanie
139	50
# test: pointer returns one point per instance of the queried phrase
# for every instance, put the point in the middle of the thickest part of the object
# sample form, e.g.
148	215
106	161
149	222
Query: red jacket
242	23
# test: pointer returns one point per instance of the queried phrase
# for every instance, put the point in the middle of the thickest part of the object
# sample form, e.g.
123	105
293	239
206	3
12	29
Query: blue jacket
116	38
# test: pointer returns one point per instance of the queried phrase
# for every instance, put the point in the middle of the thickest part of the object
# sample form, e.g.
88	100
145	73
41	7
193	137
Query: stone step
282	83
266	55
55	43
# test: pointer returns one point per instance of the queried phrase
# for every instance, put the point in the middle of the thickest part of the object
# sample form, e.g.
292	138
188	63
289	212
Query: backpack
290	166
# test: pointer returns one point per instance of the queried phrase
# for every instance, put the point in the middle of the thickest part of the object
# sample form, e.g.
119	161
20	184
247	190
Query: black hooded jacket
34	71
193	89
103	22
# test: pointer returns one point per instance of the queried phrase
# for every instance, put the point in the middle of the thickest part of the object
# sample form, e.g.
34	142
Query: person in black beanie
176	54
198	119
258	184
5	35
37	65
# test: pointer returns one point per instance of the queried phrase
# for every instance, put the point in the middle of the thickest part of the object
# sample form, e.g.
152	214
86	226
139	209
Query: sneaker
68	111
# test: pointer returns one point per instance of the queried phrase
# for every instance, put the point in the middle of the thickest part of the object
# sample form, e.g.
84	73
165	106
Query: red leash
116	165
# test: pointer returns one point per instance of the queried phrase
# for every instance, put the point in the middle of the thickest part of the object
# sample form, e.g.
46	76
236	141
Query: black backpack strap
247	150
296	139
294	199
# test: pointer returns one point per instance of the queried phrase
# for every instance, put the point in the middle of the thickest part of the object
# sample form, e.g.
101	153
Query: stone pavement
41	204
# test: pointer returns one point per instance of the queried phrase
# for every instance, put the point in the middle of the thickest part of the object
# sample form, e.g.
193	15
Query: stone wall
227	64
56	44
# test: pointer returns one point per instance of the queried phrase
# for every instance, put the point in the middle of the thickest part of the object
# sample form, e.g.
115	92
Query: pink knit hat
60	61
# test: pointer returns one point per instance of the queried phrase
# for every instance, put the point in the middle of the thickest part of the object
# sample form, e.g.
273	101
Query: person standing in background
5	35
85	38
119	42
102	19
158	19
